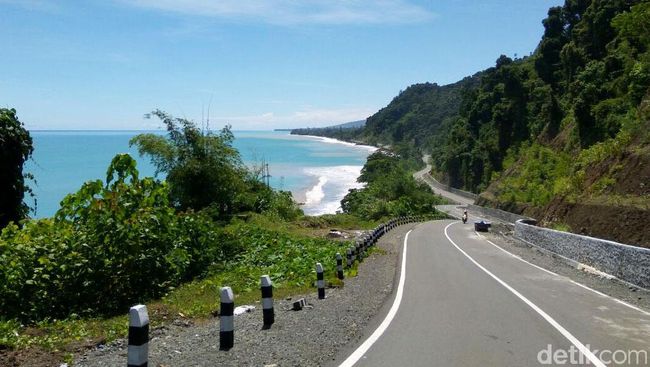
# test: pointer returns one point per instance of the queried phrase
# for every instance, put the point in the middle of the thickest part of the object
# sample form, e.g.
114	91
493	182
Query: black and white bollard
339	266
226	319
320	281
267	300
348	257
138	350
359	251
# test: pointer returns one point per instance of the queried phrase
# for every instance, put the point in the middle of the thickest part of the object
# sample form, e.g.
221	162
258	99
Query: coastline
313	198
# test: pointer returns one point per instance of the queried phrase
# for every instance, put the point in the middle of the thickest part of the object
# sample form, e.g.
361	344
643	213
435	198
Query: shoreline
301	196
345	142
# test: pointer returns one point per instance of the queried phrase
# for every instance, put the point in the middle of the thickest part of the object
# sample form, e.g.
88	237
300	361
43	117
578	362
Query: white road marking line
516	256
635	308
363	348
581	347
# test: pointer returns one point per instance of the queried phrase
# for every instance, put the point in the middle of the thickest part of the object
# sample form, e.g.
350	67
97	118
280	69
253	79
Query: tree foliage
390	190
202	167
15	149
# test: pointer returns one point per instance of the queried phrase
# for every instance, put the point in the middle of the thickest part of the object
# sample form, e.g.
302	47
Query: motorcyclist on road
465	216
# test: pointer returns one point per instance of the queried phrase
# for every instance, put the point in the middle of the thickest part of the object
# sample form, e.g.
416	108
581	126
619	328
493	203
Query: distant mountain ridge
341	131
346	125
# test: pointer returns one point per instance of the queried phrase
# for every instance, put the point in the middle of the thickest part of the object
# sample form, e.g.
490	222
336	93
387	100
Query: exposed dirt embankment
614	203
622	224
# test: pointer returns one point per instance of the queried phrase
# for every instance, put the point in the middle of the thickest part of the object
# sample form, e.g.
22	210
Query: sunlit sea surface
318	171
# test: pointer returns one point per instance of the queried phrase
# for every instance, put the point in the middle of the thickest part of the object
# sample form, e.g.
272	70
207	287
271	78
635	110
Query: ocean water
318	171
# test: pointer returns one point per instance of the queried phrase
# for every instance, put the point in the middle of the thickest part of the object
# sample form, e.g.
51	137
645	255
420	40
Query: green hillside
560	135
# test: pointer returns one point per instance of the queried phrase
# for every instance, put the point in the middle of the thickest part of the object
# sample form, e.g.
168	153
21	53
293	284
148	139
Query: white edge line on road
516	256
363	348
635	308
581	347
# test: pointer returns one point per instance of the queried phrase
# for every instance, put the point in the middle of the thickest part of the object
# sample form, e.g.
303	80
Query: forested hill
418	113
345	131
564	134
559	135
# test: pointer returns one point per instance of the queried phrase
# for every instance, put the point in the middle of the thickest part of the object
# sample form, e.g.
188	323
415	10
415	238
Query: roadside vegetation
390	190
66	282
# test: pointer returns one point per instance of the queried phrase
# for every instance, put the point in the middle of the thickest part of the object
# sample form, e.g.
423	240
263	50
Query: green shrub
542	174
390	190
108	247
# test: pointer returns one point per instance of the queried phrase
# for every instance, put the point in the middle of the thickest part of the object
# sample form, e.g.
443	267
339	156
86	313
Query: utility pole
268	176
265	174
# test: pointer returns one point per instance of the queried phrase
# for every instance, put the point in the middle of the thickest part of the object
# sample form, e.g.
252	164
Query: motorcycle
464	218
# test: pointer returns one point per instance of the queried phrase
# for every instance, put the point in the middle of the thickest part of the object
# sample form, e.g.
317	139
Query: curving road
424	176
463	301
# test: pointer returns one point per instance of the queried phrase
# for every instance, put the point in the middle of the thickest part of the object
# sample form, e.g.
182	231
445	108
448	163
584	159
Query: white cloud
287	12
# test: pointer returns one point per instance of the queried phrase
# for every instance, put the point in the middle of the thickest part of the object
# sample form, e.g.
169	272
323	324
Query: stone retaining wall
628	263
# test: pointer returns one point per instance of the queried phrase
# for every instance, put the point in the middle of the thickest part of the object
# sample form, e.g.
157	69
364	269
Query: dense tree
390	190
202	168
15	148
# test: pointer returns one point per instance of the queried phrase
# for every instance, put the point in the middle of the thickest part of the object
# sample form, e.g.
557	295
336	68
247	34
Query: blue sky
258	64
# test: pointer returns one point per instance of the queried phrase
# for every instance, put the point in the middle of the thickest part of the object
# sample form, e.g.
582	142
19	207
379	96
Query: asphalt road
425	177
465	302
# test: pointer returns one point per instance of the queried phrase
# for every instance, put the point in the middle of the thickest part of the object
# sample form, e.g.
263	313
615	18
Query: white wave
316	193
333	184
322	139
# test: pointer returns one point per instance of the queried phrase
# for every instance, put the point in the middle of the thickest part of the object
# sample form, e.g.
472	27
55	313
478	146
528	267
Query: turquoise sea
318	171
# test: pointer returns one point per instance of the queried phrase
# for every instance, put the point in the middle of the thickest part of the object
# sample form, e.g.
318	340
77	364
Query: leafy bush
390	191
541	175
108	247
287	258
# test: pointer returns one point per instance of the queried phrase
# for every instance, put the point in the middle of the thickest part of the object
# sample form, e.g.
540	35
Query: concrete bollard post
268	314
226	319
339	266
138	349
320	281
359	251
364	247
348	257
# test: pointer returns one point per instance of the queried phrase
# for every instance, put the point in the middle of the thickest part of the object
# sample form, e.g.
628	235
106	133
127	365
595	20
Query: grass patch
559	226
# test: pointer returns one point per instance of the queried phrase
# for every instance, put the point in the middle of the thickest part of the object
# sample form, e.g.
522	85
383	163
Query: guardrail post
138	349
339	266
320	281
226	319
268	314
